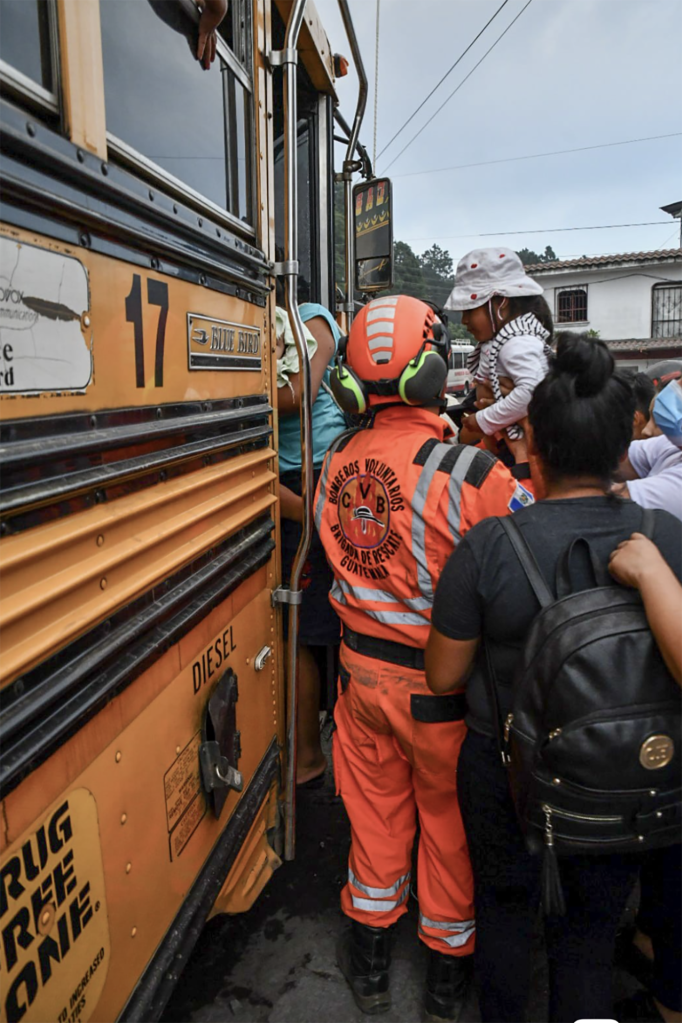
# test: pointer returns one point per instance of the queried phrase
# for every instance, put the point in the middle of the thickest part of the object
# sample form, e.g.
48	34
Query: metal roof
672	345
660	255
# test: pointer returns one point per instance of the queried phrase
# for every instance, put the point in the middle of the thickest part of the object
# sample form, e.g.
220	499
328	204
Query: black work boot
364	956
447	984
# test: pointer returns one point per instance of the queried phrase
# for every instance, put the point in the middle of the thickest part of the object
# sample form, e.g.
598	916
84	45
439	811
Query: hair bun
587	360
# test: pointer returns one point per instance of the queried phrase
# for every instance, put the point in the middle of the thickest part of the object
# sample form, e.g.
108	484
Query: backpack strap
544	596
564	583
527	559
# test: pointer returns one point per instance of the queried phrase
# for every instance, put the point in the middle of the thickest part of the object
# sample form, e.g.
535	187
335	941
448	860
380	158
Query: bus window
28	63
172	116
307	105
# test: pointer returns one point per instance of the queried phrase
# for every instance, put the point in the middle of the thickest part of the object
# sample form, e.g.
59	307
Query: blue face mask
668	412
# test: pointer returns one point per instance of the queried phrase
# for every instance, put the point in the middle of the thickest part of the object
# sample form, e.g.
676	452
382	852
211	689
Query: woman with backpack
485	605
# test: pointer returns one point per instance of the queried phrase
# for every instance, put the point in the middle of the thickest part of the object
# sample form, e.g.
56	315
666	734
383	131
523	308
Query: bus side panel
150	821
138	559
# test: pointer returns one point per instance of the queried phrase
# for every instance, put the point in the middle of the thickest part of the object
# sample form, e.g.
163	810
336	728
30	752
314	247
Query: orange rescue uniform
391	504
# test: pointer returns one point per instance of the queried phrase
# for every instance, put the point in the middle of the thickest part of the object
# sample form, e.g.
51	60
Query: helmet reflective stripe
379	328
381	341
380	312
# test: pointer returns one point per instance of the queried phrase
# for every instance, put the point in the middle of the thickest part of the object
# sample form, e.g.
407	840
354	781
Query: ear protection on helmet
422	379
420	382
349	390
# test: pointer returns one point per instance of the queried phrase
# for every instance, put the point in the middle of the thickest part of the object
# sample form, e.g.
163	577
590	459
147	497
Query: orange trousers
388	768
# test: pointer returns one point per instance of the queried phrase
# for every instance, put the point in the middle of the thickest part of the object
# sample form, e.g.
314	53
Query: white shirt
658	463
524	360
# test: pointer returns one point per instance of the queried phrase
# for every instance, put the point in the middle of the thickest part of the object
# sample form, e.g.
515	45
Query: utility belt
430	709
384	649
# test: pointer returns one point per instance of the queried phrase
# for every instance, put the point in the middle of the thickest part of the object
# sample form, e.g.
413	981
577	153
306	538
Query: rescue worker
392	502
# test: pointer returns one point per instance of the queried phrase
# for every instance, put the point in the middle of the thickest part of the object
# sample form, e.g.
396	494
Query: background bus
459	377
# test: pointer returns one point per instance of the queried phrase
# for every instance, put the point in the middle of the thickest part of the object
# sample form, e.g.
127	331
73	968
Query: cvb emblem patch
366	494
364	511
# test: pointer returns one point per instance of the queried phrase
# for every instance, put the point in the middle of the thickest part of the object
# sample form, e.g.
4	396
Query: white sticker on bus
45	335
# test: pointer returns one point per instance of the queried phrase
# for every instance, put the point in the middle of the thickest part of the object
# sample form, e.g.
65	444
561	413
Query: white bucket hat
483	273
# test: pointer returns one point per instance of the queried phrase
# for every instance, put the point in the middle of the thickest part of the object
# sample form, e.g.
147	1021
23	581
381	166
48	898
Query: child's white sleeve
522	359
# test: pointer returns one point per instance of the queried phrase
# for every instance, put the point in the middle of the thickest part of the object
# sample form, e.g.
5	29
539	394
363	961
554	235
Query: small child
504	310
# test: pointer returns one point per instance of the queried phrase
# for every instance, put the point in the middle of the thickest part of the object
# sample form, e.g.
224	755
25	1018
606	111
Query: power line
438	84
478	64
534	230
376	83
536	156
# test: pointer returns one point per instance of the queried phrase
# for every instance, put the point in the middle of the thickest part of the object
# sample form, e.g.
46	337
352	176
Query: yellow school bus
148	745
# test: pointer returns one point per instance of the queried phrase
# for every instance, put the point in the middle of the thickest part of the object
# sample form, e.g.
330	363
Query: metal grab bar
289	271
366	169
288	58
349	164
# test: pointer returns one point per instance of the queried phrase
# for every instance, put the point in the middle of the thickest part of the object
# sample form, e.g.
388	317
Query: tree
528	257
458	332
408	276
438	274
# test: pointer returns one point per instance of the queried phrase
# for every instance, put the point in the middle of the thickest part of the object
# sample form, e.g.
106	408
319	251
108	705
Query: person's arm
637	562
456	616
212	13
289	398
448	661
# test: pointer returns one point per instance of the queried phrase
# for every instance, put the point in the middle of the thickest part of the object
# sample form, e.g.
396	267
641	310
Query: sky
568	74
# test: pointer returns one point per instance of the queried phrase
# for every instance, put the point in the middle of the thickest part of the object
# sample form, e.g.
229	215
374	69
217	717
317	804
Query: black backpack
594	737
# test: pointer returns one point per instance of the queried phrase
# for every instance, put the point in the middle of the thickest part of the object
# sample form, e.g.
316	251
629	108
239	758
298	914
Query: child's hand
470	432
279	346
633	559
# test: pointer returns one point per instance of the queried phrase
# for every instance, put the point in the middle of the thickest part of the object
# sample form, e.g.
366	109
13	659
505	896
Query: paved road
276	963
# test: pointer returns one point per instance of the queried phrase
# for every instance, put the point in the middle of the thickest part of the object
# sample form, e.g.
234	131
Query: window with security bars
666	313
572	306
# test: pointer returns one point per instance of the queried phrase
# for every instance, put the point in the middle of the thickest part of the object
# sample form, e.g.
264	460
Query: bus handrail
349	164
366	169
289	271
288	58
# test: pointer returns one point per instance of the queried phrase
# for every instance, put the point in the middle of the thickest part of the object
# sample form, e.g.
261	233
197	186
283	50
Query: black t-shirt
484	592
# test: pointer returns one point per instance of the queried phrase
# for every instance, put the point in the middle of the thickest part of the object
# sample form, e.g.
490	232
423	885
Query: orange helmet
397	348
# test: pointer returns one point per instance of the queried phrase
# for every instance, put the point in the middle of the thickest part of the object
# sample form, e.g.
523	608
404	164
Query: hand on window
212	13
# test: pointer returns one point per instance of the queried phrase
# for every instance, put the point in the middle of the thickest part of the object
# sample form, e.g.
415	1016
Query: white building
633	301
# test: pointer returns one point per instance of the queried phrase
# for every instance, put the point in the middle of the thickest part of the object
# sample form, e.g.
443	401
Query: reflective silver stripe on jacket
379	905
419	498
455	504
463	930
322	495
377	893
341	589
